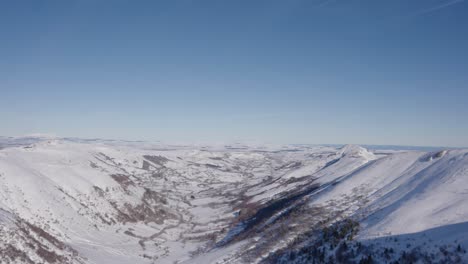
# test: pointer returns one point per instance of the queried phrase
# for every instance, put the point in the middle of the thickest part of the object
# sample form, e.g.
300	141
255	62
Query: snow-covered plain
100	201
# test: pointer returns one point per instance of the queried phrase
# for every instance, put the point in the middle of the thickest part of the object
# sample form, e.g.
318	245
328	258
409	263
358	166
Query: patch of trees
336	244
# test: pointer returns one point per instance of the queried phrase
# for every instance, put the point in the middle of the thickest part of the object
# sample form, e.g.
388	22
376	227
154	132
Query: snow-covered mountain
100	201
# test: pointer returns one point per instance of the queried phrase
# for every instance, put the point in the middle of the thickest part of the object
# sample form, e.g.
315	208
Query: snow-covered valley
98	201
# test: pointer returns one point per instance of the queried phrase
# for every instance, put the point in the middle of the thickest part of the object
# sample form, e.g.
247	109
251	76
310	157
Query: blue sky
298	71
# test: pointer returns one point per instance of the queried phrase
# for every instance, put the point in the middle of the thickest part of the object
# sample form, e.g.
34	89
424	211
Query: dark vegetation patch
157	160
146	165
336	244
253	216
11	254
123	180
49	256
99	191
292	165
42	233
331	163
294	179
212	166
329	246
42	243
151	209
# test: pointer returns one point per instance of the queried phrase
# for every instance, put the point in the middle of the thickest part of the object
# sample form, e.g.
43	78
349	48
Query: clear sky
291	71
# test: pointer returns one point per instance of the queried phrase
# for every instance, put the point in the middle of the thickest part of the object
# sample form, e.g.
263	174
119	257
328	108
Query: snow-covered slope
99	201
412	204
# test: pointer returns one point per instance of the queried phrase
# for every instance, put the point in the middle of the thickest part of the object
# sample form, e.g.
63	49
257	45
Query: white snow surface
138	202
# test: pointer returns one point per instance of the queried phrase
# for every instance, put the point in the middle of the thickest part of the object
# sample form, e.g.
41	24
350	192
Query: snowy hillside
100	201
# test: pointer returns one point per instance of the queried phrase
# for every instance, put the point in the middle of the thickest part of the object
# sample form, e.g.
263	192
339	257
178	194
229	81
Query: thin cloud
438	7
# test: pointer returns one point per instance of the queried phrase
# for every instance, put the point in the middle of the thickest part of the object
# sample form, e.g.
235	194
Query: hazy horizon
258	143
